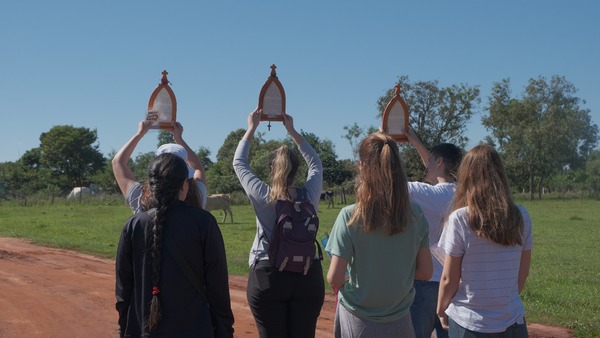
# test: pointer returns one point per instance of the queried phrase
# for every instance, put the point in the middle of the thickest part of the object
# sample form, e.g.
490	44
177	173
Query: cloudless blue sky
94	64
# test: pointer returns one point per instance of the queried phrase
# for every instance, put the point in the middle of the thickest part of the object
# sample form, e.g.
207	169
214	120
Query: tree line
545	136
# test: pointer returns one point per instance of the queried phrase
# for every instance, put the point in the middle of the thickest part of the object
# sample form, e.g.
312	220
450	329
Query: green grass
563	286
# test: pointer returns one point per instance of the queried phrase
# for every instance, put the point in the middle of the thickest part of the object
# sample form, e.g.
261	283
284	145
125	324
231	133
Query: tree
436	114
542	133
139	167
592	169
333	172
164	137
353	134
204	156
220	176
71	154
105	178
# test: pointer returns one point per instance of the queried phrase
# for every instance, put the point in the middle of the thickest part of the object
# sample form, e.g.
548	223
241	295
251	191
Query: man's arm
421	149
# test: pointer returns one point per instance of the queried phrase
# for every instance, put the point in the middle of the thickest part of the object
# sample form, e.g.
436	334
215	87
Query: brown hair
284	167
483	189
192	199
382	200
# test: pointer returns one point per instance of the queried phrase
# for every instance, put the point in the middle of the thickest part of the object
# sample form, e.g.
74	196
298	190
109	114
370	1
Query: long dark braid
166	174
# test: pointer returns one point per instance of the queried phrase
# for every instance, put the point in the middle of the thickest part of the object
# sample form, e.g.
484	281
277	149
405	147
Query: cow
220	202
78	192
328	195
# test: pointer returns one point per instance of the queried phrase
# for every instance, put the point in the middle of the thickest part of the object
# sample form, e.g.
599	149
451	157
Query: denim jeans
513	331
422	310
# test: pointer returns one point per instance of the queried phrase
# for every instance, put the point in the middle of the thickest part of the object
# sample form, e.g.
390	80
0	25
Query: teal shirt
381	267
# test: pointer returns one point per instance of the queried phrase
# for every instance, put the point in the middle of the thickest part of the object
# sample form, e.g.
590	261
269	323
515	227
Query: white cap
176	149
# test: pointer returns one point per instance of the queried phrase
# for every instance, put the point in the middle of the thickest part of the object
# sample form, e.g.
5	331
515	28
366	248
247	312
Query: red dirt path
47	292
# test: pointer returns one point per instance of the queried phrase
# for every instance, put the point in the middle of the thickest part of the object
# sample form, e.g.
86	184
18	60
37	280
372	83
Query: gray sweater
258	193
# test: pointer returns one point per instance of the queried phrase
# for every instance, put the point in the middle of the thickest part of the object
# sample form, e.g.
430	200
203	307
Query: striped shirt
487	299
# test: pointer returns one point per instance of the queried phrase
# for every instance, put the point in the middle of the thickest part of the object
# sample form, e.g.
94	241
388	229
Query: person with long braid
154	296
382	242
284	304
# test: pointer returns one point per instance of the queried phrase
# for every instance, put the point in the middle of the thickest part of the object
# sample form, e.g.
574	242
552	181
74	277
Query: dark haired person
284	304
155	298
434	197
487	241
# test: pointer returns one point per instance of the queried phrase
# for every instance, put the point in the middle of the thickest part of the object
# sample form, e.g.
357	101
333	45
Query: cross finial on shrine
164	77
273	67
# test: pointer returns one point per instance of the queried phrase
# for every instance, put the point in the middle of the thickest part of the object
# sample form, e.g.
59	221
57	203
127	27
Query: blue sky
95	64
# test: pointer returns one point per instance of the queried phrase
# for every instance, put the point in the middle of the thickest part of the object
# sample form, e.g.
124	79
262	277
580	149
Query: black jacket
184	314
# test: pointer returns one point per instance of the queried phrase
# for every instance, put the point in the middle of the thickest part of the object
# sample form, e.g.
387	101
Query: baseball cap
176	149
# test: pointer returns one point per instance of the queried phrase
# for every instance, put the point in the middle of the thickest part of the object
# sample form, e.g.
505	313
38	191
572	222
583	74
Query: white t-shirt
133	199
487	299
434	200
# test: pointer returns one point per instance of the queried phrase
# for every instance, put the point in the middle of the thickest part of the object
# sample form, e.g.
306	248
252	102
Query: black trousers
285	304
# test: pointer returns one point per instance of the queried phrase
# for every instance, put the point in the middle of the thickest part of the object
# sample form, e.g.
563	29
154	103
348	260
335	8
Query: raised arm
253	122
288	123
421	149
122	172
193	159
314	176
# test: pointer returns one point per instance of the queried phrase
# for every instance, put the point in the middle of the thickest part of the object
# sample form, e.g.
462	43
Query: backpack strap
301	196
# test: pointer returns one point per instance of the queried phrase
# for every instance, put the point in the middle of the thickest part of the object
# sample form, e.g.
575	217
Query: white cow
220	202
79	192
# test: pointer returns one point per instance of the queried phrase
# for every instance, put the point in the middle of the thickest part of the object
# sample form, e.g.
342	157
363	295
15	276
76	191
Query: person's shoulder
141	217
524	214
195	211
415	207
460	212
349	209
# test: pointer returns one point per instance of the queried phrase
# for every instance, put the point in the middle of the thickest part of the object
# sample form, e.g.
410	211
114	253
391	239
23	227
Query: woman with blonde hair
284	303
382	242
487	241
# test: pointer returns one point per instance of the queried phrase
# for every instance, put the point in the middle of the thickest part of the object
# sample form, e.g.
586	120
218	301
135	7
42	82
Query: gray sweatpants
347	325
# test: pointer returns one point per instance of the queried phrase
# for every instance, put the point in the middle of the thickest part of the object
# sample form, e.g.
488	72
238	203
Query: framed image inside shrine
395	117
272	98
162	106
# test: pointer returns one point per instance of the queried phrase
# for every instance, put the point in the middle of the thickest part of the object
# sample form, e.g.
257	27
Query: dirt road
47	292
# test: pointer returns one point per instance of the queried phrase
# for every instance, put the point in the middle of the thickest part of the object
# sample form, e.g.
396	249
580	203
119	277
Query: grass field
563	287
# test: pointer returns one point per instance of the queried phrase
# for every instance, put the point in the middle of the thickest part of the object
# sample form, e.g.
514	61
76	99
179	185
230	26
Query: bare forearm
123	174
424	268
336	275
193	159
524	269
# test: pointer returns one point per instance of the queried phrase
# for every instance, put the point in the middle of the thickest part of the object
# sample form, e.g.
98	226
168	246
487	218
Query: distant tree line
546	138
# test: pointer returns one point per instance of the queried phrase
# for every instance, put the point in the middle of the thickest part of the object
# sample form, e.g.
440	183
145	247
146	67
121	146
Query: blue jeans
424	317
513	331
